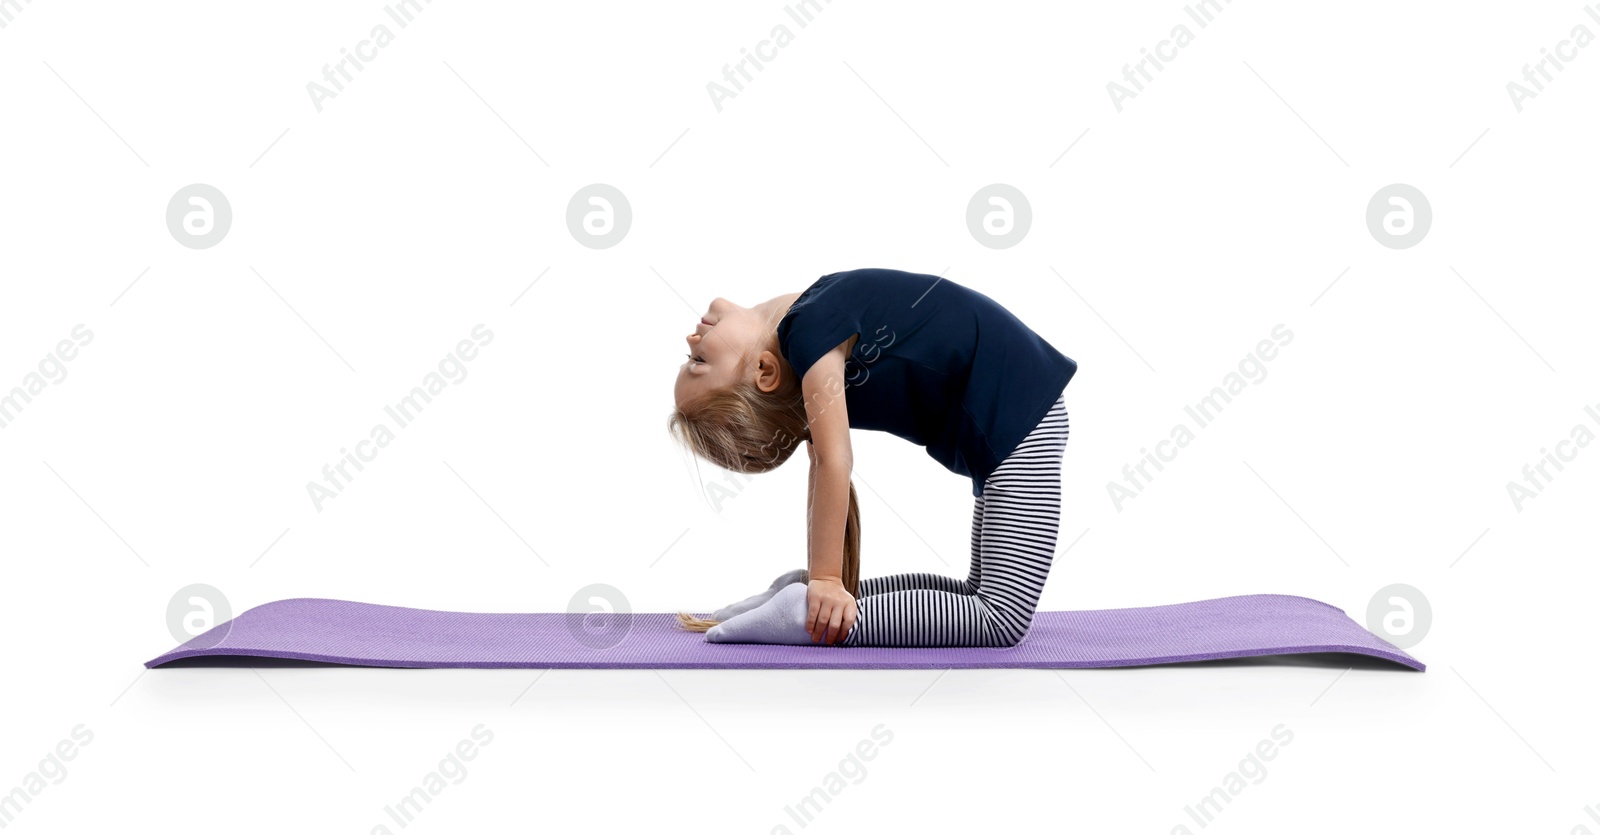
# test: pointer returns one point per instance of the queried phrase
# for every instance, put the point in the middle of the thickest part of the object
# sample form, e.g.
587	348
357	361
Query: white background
429	195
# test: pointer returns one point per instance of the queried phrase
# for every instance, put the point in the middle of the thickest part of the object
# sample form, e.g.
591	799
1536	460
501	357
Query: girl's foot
733	610
780	620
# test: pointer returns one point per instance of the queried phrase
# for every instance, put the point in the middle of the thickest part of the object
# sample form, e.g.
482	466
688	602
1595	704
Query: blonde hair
747	430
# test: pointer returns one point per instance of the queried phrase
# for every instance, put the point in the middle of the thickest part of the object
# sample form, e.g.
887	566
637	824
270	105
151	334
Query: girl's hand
831	610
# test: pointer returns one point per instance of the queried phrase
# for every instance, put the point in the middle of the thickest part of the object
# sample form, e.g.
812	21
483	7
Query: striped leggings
1014	527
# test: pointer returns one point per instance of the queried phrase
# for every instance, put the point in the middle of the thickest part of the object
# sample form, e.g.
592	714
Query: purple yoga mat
346	632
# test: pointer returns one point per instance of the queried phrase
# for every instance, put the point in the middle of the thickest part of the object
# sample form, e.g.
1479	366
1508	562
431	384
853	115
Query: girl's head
739	405
733	345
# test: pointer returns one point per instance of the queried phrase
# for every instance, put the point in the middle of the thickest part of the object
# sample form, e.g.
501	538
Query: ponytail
851	573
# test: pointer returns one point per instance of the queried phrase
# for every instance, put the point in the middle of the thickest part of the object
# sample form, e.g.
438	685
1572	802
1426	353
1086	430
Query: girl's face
721	349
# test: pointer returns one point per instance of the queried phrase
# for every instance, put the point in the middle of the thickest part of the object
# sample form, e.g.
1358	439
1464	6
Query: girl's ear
769	372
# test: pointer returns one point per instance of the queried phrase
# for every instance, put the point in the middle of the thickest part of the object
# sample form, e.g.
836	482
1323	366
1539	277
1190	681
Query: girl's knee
1006	637
1007	624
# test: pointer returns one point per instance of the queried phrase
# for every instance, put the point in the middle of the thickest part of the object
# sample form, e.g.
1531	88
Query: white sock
732	610
780	620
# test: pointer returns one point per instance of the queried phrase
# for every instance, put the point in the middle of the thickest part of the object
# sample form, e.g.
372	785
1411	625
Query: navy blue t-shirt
936	363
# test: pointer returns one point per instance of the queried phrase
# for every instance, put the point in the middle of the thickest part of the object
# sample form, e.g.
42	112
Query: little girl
938	364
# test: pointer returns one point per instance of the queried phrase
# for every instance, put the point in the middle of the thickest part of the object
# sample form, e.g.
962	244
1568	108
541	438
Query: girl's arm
832	607
825	526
